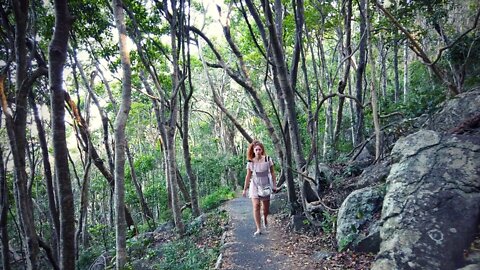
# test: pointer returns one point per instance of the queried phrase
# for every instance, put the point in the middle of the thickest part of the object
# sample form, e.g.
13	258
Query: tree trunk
57	57
285	84
383	52
47	171
90	85
16	129
106	140
405	71
186	60
346	75
120	141
175	25
85	188
147	213
395	70
4	212
360	74
328	131
97	161
373	91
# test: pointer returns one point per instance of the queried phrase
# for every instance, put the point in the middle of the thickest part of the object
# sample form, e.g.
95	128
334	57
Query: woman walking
259	181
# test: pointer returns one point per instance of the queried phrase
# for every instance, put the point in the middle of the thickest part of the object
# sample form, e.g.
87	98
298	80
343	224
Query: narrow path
243	250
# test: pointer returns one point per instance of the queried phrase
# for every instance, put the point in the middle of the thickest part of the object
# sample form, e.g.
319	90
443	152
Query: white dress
260	176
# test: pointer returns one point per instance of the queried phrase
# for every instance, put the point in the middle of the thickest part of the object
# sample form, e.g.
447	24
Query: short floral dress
262	171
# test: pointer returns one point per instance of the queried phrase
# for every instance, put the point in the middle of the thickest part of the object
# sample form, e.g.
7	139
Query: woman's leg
256	212
266	209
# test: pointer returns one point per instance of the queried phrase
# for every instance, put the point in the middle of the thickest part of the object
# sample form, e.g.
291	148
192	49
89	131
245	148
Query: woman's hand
244	193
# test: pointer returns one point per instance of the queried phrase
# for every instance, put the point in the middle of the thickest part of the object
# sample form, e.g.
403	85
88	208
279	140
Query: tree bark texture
347	54
57	58
120	140
4	211
373	90
285	84
187	98
396	96
359	91
175	24
147	213
49	181
17	136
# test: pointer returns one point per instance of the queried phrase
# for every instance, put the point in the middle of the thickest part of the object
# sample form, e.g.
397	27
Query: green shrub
329	222
184	254
216	198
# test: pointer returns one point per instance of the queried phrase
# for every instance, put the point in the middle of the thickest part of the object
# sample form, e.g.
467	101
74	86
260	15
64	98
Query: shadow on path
242	250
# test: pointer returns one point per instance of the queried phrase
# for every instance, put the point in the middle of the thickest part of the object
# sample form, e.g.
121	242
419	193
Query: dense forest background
118	115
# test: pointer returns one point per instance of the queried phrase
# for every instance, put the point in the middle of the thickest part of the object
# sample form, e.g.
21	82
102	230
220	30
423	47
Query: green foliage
103	237
466	53
184	254
345	242
216	198
198	249
145	163
137	245
329	222
425	92
88	255
157	192
210	169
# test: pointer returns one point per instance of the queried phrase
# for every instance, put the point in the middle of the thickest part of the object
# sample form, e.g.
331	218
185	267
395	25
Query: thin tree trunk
120	140
185	128
220	105
147	213
417	49
90	85
17	136
47	171
285	84
348	53
353	119
4	211
405	72
181	186
106	140
373	91
395	70
175	24
360	73
328	130
80	234
97	161
248	85
57	57
383	51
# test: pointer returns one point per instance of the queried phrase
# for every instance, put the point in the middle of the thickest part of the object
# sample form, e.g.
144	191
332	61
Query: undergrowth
200	246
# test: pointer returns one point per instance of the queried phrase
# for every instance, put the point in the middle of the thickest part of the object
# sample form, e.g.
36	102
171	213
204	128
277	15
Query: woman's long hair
251	153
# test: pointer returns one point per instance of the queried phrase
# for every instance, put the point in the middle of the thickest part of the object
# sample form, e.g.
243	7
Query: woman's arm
247	182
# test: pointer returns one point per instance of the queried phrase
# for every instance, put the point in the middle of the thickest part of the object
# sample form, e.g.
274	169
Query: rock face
356	226
431	209
454	111
373	175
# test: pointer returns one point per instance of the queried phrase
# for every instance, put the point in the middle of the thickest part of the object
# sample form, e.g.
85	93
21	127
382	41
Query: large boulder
373	175
454	111
357	228
431	209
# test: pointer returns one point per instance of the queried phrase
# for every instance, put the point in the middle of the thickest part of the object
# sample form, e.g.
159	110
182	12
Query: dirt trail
267	251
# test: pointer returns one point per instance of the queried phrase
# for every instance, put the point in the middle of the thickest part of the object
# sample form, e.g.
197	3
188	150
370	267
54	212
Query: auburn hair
251	153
